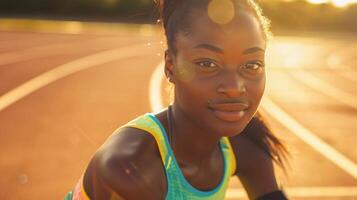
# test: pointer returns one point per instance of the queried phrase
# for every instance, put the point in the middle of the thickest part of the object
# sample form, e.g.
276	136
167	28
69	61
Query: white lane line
325	88
155	88
310	138
76	27
40	51
67	69
307	136
305	192
336	62
345	71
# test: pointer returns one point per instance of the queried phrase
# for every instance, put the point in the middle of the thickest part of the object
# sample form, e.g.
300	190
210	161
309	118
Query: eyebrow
219	50
253	50
209	47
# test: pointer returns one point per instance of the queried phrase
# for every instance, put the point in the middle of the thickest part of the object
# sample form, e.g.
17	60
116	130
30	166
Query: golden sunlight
337	3
343	3
317	1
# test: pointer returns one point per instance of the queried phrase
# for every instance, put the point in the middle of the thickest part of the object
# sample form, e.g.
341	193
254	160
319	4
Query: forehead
242	32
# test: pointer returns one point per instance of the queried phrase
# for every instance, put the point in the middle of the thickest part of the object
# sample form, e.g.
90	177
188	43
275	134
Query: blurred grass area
77	27
293	15
81	10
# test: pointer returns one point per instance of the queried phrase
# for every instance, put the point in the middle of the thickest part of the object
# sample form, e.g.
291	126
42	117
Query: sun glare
343	3
337	3
317	1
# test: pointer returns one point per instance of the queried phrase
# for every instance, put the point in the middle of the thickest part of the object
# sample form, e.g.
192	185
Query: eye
253	68
207	64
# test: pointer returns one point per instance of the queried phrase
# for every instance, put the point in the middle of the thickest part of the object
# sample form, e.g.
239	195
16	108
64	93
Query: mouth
229	112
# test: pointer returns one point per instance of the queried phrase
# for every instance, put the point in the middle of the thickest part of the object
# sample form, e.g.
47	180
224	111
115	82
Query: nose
232	85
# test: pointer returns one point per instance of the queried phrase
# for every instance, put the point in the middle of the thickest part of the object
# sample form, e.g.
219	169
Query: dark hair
175	15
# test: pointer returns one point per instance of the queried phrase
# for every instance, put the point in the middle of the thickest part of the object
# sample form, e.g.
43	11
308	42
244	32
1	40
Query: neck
190	141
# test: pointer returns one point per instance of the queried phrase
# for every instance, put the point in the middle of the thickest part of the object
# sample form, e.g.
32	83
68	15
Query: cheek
191	88
192	93
192	97
255	91
185	73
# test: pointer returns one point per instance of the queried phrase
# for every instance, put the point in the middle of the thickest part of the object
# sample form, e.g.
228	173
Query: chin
230	129
233	131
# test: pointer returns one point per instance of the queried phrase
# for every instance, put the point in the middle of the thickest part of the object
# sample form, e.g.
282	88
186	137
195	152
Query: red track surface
48	137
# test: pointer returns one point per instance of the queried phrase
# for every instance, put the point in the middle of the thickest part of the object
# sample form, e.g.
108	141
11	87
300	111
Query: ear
169	66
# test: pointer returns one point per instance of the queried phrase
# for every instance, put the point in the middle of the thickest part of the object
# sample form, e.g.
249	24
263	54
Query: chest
205	177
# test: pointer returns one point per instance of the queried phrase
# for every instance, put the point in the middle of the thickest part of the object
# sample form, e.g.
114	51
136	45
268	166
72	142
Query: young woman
212	130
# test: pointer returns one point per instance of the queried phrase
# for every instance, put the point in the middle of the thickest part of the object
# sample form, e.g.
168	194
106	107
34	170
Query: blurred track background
66	85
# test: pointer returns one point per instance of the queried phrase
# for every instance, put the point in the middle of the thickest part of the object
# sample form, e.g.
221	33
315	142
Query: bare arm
126	167
254	168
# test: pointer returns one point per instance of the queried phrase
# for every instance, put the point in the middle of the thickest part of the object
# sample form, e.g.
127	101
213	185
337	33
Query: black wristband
276	195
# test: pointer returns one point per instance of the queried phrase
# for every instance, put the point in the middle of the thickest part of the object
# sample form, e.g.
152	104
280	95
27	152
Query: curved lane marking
156	103
67	69
334	63
324	192
310	138
325	88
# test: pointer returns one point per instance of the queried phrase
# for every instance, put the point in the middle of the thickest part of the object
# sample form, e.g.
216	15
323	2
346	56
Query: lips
230	112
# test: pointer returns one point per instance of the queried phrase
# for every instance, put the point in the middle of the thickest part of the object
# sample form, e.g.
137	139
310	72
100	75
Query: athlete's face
218	72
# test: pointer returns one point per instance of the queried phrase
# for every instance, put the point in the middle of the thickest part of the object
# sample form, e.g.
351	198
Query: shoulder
129	165
254	167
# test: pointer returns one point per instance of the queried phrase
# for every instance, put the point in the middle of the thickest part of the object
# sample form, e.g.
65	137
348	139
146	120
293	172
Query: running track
62	94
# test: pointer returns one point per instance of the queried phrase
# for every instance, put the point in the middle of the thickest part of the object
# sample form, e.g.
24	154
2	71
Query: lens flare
221	11
185	72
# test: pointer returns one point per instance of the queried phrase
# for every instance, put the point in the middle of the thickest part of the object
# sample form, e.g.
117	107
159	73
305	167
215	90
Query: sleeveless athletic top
178	188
